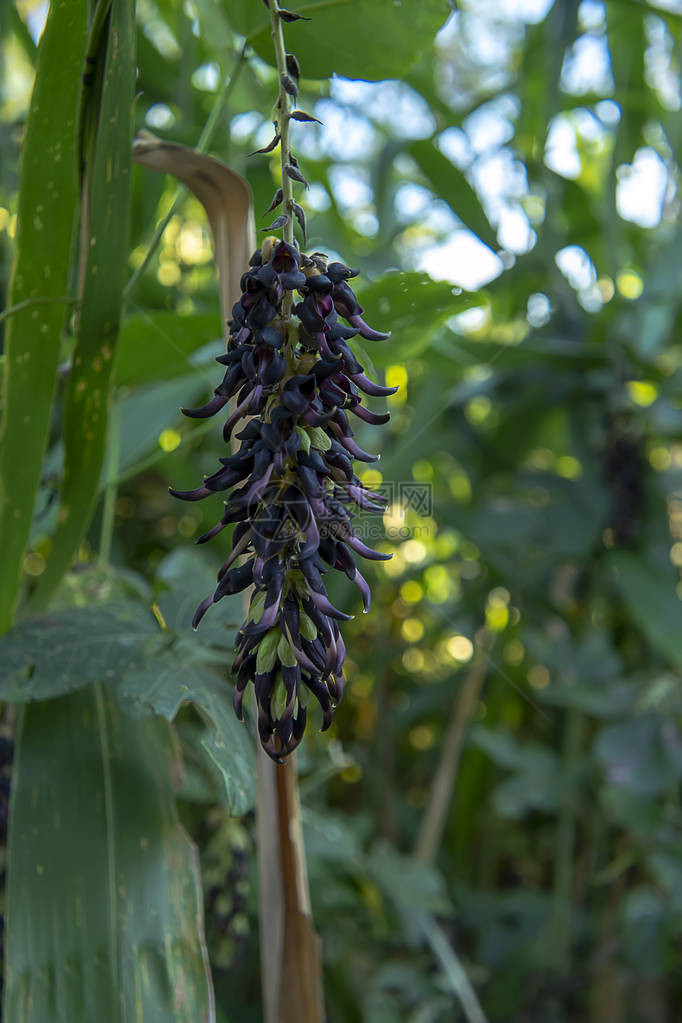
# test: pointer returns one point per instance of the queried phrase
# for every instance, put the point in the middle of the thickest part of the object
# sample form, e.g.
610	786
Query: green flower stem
283	126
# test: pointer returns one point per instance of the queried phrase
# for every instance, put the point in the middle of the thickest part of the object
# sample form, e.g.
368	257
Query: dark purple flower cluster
294	381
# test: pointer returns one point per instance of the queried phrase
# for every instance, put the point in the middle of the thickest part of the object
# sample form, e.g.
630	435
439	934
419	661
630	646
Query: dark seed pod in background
293	67
300	115
270	146
276	200
300	216
295	174
279	221
290	85
289	16
624	470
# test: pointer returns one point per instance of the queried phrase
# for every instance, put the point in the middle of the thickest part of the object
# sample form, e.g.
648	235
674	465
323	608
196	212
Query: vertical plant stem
111	486
433	823
111	865
607	995
453	970
565	842
385	760
440	797
291	974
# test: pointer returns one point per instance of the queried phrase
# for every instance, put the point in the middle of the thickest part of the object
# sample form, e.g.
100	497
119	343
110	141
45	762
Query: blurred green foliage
534	464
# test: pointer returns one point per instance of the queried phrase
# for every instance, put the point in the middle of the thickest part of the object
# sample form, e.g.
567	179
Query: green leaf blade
104	914
652	602
47	202
449	183
173	679
415	307
370	41
60	652
159	345
85	413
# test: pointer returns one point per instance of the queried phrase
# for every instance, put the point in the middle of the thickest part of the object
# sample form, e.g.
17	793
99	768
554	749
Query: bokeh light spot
538	676
660	459
422	737
630	285
642	392
34	564
412	630
169	440
460	648
411	591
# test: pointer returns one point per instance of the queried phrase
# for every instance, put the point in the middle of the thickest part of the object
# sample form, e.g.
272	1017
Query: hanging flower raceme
294	384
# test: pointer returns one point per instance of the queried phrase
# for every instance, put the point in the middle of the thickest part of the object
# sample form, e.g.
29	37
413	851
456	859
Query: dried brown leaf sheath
226	197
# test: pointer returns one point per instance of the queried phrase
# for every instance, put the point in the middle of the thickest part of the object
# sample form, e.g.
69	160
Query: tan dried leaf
226	197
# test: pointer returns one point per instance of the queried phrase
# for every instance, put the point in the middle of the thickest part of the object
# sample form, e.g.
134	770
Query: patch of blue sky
642	188
36	18
393	105
661	71
587	66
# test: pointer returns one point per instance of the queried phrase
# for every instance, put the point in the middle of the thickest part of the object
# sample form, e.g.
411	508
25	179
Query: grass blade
104	910
103	264
47	201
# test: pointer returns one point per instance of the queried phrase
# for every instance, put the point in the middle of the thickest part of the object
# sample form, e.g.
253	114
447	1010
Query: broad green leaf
180	677
157	346
63	651
627	44
449	184
652	601
539	74
535	783
408	884
641	754
103	906
327	837
656	312
105	256
414	308
148	411
529	350
189	573
47	201
643	926
143	414
353	38
21	32
611	701
502	746
394	987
